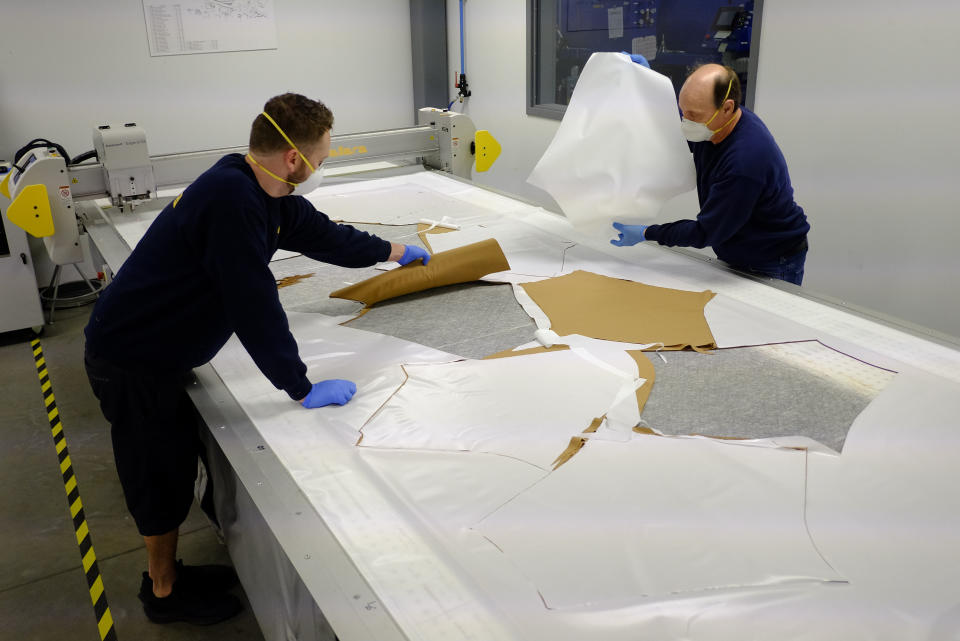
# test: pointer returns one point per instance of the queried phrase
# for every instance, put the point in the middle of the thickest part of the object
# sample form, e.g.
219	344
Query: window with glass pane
673	35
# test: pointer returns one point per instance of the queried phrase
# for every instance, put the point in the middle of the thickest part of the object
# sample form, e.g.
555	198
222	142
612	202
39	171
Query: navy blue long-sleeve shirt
747	212
201	273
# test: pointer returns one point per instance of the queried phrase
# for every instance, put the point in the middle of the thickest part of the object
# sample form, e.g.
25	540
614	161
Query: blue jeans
788	268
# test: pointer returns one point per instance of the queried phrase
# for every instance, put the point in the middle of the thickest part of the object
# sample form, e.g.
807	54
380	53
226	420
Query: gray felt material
745	393
471	320
482	346
477	318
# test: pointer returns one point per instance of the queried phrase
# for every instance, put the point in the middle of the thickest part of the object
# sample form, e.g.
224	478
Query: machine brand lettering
347	151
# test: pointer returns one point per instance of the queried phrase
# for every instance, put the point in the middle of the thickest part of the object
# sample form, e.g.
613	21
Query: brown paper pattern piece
460	265
509	353
624	311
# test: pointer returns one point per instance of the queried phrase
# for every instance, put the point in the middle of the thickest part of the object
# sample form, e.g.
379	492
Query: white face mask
699	131
311	183
695	131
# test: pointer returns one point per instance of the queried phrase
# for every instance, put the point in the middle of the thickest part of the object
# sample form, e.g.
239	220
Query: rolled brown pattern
460	265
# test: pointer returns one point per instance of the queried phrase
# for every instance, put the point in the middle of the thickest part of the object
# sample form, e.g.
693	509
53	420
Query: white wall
68	66
863	99
496	61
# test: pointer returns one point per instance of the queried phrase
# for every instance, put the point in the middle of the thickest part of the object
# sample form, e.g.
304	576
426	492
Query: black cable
87	155
38	143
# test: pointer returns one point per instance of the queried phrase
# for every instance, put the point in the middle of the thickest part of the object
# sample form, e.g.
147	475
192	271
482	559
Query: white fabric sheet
610	352
372	361
887	512
403	204
618	154
317	447
658	516
526	407
488	480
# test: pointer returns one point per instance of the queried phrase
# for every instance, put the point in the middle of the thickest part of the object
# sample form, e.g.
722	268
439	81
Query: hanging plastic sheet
619	153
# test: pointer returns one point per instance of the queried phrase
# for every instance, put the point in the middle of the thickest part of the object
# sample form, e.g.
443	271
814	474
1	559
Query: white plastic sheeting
618	154
661	516
524	407
317	447
402	204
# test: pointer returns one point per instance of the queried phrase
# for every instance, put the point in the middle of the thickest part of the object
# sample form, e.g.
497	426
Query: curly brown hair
302	119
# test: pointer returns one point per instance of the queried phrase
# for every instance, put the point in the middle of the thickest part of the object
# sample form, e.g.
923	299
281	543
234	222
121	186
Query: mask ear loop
268	172
717	112
290	142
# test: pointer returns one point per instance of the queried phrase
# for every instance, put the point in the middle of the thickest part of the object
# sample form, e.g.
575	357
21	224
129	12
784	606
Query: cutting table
370	543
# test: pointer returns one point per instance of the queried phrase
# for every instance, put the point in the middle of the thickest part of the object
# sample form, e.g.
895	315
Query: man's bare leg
162	561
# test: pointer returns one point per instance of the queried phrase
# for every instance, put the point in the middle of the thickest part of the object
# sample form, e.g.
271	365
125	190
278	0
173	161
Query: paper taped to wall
618	153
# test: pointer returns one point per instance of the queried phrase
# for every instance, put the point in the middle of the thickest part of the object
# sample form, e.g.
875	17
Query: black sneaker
187	605
206	578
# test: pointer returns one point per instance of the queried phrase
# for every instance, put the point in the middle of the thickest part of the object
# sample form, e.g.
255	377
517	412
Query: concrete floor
43	590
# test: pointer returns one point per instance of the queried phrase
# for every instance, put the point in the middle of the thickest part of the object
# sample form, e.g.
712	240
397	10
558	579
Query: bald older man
747	212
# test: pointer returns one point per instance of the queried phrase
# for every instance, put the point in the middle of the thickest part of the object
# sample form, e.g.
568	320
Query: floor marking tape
98	596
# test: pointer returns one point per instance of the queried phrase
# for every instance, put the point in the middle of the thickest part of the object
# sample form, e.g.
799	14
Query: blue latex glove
333	392
637	58
629	234
412	253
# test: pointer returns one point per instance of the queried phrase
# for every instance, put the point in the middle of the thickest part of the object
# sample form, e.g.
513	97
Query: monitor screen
726	16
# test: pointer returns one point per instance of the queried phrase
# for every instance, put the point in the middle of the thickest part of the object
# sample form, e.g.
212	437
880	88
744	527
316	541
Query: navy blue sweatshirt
200	274
747	212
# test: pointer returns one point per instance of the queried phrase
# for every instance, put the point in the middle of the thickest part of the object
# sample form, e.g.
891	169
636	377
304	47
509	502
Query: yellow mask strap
290	142
715	114
268	172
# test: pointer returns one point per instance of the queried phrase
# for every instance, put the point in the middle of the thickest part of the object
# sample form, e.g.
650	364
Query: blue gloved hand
412	253
637	58
333	392
629	234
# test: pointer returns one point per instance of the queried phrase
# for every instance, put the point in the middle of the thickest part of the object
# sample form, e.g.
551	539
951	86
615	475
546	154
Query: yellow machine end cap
30	211
4	186
488	149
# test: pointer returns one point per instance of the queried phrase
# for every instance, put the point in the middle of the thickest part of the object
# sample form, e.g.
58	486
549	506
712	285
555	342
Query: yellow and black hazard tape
98	596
